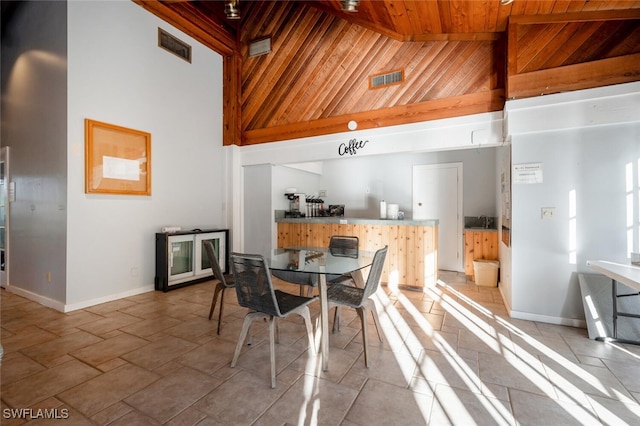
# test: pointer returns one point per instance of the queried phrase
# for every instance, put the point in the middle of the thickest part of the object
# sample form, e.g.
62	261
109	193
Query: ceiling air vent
388	79
174	45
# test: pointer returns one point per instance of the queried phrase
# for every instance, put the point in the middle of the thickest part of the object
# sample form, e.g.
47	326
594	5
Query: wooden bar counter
412	258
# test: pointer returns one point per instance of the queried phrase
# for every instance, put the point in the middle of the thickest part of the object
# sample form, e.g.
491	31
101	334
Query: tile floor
451	355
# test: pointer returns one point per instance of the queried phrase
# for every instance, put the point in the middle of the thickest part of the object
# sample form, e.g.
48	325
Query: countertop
357	221
480	229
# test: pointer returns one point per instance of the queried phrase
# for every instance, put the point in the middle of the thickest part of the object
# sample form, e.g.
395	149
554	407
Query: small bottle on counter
383	209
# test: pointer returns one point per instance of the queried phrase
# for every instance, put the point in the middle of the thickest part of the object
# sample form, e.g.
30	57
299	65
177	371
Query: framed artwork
117	159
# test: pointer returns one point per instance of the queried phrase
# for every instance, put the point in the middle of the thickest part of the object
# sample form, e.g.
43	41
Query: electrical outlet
48	277
322	193
548	212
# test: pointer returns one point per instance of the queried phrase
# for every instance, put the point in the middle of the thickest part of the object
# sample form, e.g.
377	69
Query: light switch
548	212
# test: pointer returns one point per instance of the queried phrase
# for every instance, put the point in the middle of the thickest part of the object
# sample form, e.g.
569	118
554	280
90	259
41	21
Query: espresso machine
297	205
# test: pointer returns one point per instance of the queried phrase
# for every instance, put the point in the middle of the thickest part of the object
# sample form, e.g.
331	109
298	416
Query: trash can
486	272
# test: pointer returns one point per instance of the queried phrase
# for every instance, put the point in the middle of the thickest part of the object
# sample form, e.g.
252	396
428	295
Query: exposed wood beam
601	15
190	20
384	30
475	103
575	77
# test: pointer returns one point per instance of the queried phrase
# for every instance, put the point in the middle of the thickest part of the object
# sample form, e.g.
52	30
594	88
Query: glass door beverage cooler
181	258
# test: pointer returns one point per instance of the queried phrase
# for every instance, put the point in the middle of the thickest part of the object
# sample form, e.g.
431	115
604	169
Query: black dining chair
360	298
306	281
223	282
255	291
343	246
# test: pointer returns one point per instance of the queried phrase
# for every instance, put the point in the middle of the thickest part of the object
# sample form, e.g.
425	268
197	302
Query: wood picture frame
117	159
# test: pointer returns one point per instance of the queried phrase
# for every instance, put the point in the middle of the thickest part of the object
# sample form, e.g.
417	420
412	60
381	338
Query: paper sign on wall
527	173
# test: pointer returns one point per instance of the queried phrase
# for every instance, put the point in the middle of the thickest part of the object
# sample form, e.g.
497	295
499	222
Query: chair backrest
373	280
253	283
213	260
342	245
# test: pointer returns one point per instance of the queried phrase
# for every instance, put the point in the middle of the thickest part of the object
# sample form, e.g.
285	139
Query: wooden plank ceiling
453	55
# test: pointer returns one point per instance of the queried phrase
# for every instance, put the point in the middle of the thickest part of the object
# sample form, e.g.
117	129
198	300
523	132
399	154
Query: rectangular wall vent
260	47
388	79
174	45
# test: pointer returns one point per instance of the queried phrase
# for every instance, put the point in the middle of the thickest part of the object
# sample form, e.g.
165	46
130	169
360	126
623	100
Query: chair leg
246	326
221	309
272	350
306	315
376	319
362	313
215	299
336	320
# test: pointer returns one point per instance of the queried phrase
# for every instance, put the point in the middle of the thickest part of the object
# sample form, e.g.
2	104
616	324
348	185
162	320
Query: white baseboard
110	298
51	303
570	322
62	307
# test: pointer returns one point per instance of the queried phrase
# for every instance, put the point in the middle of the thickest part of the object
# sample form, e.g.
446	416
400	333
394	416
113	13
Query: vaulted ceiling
456	57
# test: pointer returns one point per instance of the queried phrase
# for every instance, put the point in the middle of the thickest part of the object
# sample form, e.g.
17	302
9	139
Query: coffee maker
297	205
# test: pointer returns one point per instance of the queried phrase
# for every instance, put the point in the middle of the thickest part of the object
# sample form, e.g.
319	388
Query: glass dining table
322	262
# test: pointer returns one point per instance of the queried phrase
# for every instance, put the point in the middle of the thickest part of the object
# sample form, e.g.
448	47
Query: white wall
34	126
591	160
118	74
258	219
361	183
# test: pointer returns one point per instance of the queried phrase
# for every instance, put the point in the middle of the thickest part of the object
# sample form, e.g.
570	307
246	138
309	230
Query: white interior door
437	194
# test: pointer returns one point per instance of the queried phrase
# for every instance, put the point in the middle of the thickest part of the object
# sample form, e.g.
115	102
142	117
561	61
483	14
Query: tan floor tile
612	412
240	400
627	372
154	354
514	373
107	389
42	385
68	324
572	381
396	368
16	366
531	409
460	407
28	336
47	353
448	368
593	348
30	314
190	416
149	327
382	404
112	306
111	413
311	401
105	350
210	356
450	355
553	347
168	396
111	321
111	364
135	418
